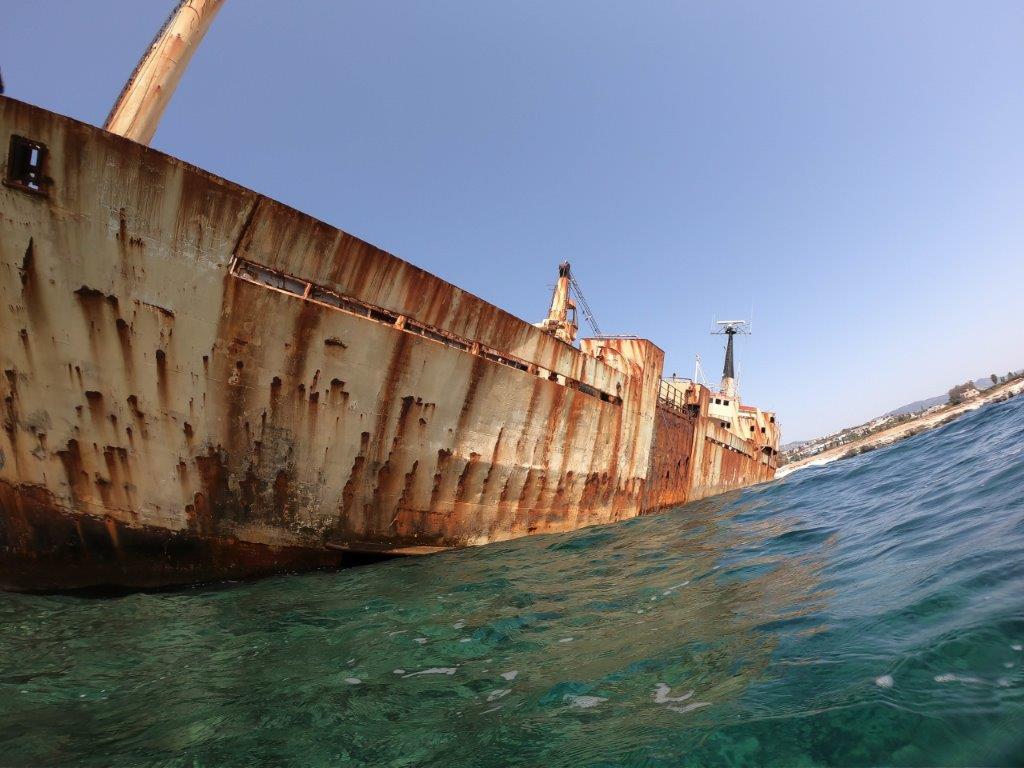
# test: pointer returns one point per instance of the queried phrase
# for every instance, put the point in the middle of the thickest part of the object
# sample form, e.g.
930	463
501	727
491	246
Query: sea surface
868	612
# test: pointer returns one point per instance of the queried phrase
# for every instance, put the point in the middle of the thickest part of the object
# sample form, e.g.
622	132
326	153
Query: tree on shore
961	392
995	379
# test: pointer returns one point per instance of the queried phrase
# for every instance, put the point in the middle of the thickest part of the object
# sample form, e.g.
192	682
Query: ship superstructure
200	383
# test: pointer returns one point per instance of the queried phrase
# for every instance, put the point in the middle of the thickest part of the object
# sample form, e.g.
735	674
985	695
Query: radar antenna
730	327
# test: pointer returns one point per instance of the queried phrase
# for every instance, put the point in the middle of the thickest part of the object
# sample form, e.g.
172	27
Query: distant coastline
908	427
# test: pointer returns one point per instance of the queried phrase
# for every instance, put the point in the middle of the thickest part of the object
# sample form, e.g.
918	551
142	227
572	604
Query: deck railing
290	285
673	398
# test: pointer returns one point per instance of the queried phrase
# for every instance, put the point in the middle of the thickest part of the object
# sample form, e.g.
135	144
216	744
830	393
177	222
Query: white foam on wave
672	589
662	691
584	702
353	680
433	671
420	640
949	677
497	694
885	681
510	675
459	624
566	640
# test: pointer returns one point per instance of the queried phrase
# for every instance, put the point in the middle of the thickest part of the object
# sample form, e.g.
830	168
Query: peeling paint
206	421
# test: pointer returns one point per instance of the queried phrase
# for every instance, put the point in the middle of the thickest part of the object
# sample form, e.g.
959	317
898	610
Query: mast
145	96
730	328
728	371
561	319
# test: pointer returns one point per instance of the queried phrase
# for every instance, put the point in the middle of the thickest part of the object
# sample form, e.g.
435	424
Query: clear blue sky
853	171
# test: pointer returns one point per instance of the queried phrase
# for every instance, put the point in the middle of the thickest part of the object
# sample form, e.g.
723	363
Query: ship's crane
561	321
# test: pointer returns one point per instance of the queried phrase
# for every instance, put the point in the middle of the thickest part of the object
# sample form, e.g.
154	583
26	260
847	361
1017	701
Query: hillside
917	406
896	425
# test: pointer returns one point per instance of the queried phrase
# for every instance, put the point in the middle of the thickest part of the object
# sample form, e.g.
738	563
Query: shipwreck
202	383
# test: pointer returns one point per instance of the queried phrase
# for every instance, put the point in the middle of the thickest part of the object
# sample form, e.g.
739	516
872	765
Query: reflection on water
869	612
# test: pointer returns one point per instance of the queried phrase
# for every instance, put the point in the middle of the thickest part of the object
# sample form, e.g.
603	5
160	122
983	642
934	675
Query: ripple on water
866	612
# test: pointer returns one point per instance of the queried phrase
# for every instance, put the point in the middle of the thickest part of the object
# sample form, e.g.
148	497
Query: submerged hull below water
201	383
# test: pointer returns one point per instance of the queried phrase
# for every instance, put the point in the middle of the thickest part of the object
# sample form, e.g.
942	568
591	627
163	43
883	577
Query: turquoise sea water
870	612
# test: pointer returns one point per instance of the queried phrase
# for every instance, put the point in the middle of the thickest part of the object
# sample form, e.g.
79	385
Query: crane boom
145	96
587	313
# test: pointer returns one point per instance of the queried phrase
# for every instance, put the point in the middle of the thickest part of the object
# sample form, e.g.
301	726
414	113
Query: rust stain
334	395
50	551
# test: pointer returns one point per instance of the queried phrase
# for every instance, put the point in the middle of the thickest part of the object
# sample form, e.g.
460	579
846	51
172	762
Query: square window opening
26	161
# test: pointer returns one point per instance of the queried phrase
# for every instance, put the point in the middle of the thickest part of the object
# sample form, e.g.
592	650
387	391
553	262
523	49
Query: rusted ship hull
202	383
